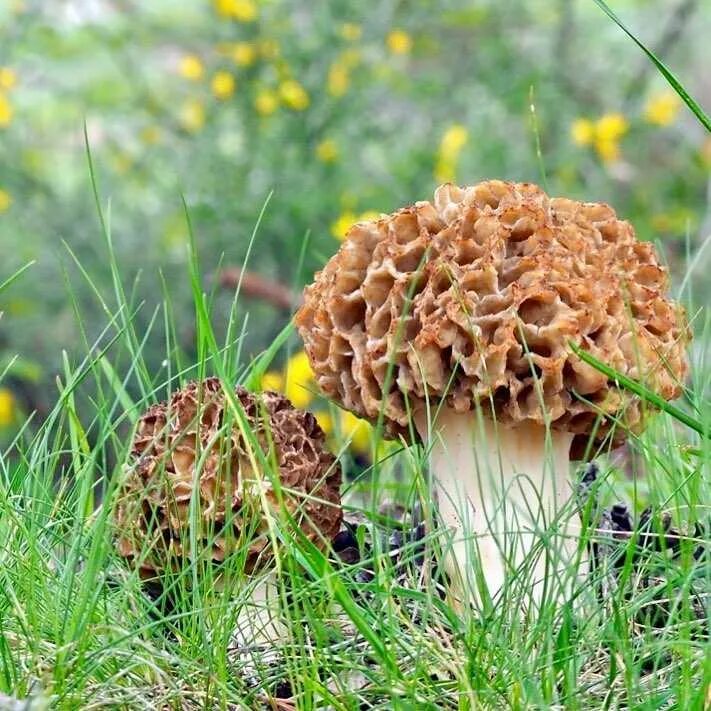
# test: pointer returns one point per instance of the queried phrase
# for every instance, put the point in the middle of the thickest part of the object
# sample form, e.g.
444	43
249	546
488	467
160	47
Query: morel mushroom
458	314
193	447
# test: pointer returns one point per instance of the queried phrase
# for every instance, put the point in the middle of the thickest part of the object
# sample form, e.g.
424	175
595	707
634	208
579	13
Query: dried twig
257	286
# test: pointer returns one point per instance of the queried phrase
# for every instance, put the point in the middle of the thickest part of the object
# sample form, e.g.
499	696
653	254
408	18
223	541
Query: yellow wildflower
150	135
453	140
272	380
325	421
5	111
338	79
611	127
445	171
293	95
7	78
266	102
348	218
608	131
299	383
357	431
191	67
662	108
5	200
327	150
582	131
192	115
244	54
351	32
223	85
399	42
241	10
604	134
7	407
345	221
269	49
608	150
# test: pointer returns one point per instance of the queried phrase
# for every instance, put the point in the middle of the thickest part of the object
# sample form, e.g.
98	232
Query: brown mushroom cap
153	513
475	297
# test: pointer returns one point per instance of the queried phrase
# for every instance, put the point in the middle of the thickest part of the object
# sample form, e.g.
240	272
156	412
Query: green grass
78	629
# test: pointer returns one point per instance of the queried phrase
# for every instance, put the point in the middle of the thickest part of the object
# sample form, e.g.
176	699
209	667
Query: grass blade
645	393
663	69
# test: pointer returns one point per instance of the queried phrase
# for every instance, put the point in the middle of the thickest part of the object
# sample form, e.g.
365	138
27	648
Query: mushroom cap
473	299
197	428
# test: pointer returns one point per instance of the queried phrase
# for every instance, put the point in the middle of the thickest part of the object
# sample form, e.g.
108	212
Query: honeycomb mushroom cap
474	297
193	430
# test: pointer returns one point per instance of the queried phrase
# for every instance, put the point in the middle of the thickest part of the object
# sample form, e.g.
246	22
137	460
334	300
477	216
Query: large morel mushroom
456	316
196	440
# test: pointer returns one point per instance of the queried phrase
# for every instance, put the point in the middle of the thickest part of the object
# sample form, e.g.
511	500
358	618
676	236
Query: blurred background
341	109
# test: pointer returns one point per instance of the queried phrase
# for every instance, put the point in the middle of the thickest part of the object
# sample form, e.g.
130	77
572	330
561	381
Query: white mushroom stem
499	489
259	629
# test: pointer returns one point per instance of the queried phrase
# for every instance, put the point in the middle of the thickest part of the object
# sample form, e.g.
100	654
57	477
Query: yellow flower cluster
327	150
338	79
192	115
8	80
240	10
7	407
450	147
351	32
5	200
298	384
662	108
223	85
604	134
266	102
293	95
339	73
191	67
347	219
399	42
244	54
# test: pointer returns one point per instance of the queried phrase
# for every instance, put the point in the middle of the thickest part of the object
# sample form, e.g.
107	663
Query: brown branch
256	286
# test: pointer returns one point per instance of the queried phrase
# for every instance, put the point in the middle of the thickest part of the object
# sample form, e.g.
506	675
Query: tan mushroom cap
474	298
191	430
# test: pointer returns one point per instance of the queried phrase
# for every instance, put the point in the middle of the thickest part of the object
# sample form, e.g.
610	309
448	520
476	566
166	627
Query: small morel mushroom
456	317
191	441
197	450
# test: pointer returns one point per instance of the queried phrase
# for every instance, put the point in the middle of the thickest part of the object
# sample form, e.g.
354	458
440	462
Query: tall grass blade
663	69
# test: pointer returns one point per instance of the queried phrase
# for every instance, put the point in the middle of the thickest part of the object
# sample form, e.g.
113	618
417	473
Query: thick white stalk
259	629
499	488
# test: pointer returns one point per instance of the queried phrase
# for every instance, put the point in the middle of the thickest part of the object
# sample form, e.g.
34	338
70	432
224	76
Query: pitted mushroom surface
455	318
196	441
474	298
